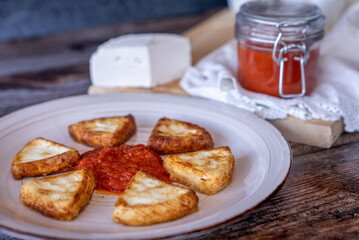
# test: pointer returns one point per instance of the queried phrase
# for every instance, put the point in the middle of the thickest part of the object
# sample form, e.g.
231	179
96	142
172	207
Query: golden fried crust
61	197
117	130
205	171
148	201
173	136
62	162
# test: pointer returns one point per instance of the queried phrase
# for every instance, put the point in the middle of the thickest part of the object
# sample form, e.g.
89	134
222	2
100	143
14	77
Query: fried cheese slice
205	171
148	200
174	136
42	156
103	132
61	197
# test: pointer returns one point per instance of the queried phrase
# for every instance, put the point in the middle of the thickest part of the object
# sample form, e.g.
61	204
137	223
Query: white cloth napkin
336	94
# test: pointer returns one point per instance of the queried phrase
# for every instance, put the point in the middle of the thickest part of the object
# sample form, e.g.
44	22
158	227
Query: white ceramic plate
262	162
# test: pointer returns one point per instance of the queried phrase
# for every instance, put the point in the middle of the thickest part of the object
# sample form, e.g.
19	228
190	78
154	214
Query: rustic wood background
320	198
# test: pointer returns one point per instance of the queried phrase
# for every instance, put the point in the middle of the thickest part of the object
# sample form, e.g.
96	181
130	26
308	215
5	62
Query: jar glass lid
260	19
277	11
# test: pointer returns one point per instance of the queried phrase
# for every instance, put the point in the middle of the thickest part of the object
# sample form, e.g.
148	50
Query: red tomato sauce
259	73
114	167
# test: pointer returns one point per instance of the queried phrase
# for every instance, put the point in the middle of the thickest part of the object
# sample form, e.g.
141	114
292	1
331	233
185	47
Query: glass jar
278	47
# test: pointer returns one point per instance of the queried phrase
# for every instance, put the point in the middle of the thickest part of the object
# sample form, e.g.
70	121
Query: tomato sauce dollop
114	167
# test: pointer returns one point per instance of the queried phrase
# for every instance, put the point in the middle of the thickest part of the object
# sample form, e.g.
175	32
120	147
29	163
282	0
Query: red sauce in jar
264	29
114	167
259	73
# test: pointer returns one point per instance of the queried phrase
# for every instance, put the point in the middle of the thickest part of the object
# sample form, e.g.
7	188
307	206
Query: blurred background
30	18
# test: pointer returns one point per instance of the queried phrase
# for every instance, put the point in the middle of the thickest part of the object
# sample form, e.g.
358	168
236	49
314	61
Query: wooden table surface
319	199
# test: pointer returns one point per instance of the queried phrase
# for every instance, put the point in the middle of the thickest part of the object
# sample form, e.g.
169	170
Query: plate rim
191	233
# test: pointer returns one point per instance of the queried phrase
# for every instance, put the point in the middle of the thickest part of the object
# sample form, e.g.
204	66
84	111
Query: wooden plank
46	78
299	149
313	132
172	88
210	34
214	32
